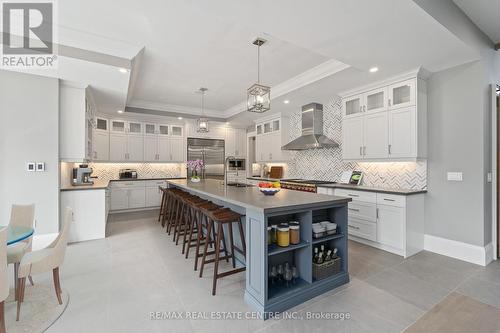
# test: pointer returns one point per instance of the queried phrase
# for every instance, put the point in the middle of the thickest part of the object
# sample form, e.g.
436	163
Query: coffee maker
81	175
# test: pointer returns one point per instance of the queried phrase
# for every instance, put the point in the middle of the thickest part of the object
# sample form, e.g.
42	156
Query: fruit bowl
269	188
269	191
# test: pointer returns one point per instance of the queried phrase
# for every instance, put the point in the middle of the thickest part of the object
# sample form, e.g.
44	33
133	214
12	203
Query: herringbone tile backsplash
327	164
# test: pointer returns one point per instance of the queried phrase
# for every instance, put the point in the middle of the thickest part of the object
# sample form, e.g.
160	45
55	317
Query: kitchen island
262	211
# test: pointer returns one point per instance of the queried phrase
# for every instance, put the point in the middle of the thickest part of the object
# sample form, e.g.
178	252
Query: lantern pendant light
202	122
258	95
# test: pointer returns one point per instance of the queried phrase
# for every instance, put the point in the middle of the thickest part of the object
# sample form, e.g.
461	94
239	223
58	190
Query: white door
375	100
353	105
135	148
352	138
119	198
151	148
101	146
117	147
176	150
402	133
390	225
136	197
402	94
376	136
164	149
153	196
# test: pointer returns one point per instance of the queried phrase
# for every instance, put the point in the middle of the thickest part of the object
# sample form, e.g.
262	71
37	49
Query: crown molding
188	110
312	75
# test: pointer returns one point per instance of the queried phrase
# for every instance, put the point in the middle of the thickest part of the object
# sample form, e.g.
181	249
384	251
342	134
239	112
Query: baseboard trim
475	254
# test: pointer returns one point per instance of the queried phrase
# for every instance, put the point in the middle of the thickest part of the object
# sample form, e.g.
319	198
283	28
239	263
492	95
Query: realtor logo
28	34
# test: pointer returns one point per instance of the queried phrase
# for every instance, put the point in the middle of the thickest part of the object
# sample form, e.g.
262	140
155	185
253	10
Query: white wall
29	110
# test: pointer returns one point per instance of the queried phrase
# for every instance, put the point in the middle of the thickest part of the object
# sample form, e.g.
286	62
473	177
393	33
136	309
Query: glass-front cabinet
163	129
118	126
402	94
135	128
150	129
101	124
375	100
353	105
176	130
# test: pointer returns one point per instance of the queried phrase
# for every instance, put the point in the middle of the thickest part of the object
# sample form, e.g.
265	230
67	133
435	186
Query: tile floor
115	283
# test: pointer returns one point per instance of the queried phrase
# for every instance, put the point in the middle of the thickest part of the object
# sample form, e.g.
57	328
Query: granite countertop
396	191
103	184
251	197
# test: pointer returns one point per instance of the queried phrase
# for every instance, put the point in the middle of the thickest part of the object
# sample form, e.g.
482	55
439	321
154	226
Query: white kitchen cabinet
402	94
135	128
274	135
375	136
375	100
100	143
390	226
102	124
176	131
151	148
235	142
394	120
153	193
118	126
176	150
117	147
390	222
89	213
352	138
135	148
402	133
353	105
119	198
136	197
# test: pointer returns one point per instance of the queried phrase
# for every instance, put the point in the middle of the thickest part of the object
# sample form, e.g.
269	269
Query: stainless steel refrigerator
211	152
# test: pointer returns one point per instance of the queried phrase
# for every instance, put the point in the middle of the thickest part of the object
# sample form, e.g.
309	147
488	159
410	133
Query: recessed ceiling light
180	118
286	101
123	70
373	69
120	111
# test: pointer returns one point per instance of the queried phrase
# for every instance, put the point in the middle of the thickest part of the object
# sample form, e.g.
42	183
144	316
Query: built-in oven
236	164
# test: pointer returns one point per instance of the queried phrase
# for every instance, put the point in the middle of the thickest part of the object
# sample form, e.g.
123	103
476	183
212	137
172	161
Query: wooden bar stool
171	207
198	222
178	211
220	218
181	223
162	205
190	218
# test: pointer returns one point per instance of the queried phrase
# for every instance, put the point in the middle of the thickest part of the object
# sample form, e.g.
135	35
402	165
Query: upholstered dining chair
4	284
20	216
45	260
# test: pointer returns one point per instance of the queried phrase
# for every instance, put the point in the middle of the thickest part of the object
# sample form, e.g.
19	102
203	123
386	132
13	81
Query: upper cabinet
386	122
119	140
236	142
272	134
76	122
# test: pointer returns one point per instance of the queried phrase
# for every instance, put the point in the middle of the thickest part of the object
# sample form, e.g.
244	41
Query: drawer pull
354	209
389	199
353	195
353	227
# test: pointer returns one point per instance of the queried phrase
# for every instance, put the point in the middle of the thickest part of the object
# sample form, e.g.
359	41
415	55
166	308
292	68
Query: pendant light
202	122
258	96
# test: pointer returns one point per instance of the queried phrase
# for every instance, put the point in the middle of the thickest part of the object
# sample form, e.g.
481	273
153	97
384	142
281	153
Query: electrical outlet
454	176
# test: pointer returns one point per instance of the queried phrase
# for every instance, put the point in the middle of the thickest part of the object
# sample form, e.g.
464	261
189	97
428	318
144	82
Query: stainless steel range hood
312	130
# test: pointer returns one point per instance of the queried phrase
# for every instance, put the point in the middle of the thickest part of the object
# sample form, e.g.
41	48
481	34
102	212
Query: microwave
236	164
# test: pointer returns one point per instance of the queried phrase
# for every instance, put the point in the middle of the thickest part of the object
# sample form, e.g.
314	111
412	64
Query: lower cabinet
131	195
394	223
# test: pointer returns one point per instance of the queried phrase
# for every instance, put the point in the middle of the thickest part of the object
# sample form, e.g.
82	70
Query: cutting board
276	172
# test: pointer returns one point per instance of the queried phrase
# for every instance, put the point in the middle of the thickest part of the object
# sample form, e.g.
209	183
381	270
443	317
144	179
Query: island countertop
251	197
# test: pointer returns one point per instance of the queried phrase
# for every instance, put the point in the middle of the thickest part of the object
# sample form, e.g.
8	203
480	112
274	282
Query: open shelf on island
275	249
280	290
327	238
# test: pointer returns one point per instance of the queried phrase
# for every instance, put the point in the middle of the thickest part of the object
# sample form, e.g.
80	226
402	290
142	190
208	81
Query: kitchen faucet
225	168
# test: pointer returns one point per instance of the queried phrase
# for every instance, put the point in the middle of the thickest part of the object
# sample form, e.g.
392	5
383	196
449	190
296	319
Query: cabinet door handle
364	108
377	213
360	150
385	199
364	150
390	146
353	195
354	209
389	102
353	227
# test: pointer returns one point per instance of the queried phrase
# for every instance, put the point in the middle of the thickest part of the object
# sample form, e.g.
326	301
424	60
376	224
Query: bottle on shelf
320	258
328	256
316	255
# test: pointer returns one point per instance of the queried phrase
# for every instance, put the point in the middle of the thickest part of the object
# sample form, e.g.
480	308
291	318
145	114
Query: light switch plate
40	166
455	176
31	166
